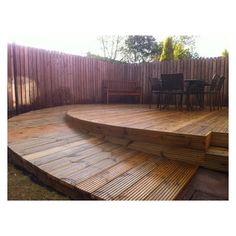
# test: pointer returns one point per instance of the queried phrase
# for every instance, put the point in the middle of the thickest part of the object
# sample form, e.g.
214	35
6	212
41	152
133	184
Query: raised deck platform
107	166
188	128
176	135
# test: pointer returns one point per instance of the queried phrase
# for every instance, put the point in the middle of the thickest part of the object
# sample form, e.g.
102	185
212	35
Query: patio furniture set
172	89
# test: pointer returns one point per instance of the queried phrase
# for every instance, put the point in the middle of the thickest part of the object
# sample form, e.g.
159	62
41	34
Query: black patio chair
219	93
195	89
155	87
214	92
172	88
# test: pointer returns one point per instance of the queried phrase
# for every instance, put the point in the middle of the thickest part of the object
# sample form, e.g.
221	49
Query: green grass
23	186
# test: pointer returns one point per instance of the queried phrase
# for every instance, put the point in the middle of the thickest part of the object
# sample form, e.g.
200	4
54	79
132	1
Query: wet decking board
85	166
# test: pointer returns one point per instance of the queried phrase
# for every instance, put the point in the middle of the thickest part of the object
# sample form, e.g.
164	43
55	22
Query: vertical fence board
10	87
42	75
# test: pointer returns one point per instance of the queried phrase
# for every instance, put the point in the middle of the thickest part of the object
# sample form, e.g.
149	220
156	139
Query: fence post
15	77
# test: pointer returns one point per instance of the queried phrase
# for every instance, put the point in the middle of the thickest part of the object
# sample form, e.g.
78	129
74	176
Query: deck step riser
219	139
197	142
216	158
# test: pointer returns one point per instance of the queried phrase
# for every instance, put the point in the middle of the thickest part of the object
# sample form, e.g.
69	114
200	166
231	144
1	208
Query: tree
167	50
179	51
139	48
144	48
178	48
111	46
157	51
189	45
225	53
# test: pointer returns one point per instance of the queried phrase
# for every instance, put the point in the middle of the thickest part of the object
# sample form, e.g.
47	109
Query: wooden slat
81	150
72	164
82	77
56	149
108	167
169	184
111	190
102	178
188	130
10	88
141	189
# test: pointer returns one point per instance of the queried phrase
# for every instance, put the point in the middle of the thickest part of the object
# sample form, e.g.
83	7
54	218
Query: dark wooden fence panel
45	78
202	68
10	82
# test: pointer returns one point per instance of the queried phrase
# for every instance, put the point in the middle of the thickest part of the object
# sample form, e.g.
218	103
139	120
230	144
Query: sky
211	45
206	45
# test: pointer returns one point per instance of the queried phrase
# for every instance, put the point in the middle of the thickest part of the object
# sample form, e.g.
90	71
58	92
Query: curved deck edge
198	142
191	149
50	180
24	158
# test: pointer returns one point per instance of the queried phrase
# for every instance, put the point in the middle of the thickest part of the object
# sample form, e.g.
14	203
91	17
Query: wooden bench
120	88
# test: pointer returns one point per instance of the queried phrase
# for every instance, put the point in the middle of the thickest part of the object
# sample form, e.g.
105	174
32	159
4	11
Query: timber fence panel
39	78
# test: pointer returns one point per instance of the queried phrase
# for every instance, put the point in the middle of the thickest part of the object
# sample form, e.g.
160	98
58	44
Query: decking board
130	117
79	164
189	129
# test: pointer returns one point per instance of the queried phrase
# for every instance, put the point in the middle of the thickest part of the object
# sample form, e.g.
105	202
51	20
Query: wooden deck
52	145
199	137
141	121
141	117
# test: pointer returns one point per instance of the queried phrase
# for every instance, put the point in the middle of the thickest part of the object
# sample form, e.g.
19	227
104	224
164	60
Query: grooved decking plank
189	130
41	146
149	182
164	190
111	190
69	165
47	144
92	184
185	179
28	133
92	141
152	119
38	140
107	160
75	152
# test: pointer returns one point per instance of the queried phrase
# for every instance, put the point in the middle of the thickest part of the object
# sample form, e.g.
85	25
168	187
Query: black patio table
195	87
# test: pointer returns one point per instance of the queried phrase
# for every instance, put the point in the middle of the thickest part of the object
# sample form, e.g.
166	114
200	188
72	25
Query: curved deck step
83	166
180	136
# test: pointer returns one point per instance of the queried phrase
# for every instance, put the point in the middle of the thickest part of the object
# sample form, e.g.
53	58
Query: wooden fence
38	78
